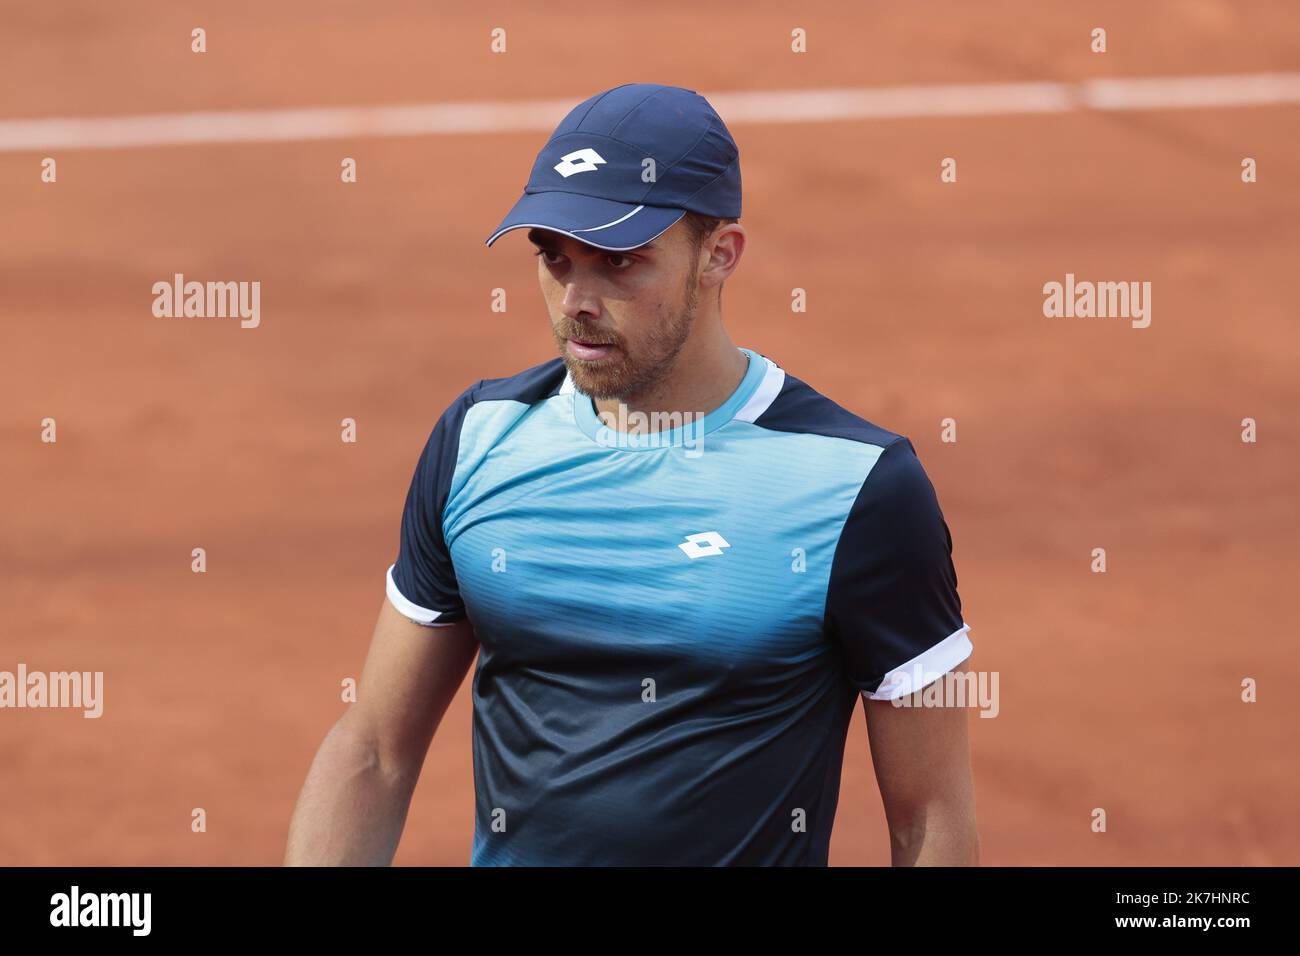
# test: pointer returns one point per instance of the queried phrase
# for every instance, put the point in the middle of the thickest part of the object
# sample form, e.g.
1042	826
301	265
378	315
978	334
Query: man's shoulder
526	388
529	387
800	408
896	501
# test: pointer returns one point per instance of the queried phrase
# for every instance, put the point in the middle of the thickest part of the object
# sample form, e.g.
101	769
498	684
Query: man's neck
698	383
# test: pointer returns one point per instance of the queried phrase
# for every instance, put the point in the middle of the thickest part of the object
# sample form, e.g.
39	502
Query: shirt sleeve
892	603
422	581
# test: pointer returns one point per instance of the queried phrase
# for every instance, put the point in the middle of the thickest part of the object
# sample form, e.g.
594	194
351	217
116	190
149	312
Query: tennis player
679	566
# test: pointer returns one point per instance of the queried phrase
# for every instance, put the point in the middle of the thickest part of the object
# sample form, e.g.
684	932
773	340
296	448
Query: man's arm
353	805
922	760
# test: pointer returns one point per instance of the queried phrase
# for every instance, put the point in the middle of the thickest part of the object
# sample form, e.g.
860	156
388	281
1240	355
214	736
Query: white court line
781	106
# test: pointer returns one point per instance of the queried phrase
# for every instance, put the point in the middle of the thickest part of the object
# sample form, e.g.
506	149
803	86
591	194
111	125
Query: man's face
620	318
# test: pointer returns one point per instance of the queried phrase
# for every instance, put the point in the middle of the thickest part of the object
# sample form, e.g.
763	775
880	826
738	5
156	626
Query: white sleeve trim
924	668
408	609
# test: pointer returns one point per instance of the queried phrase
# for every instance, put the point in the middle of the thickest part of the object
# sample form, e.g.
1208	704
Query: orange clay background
1118	690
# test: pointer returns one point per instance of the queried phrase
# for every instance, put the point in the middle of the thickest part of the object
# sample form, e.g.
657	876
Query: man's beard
621	375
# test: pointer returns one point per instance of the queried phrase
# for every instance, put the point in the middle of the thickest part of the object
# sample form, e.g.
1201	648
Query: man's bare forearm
352	807
939	838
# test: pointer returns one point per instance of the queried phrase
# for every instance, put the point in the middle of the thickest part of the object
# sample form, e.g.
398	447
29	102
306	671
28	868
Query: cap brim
603	223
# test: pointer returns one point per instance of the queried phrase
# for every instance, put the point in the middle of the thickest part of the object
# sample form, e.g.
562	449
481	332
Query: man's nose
579	300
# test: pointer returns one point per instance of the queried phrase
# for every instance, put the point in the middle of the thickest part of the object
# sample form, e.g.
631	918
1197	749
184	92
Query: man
678	564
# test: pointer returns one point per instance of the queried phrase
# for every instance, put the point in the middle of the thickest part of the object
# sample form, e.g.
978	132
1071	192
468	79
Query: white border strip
410	610
768	389
777	106
925	668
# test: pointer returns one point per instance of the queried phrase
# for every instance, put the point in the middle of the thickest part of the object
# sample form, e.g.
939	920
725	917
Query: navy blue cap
592	180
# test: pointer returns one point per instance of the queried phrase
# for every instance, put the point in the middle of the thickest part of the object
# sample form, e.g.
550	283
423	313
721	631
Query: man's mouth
588	351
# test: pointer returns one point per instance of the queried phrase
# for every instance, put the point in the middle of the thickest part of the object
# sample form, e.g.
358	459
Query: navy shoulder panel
529	386
799	407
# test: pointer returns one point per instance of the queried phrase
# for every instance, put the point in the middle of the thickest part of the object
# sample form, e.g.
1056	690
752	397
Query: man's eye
617	260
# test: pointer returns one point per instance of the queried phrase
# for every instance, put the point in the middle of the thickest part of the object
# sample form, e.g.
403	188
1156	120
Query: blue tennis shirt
674	626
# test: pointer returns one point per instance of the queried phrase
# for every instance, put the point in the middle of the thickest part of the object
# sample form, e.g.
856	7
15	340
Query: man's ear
725	247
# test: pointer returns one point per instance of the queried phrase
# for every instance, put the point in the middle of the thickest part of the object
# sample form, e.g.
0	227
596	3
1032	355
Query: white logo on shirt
703	545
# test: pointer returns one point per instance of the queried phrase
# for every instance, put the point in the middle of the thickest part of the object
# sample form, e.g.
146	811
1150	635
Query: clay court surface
1118	690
